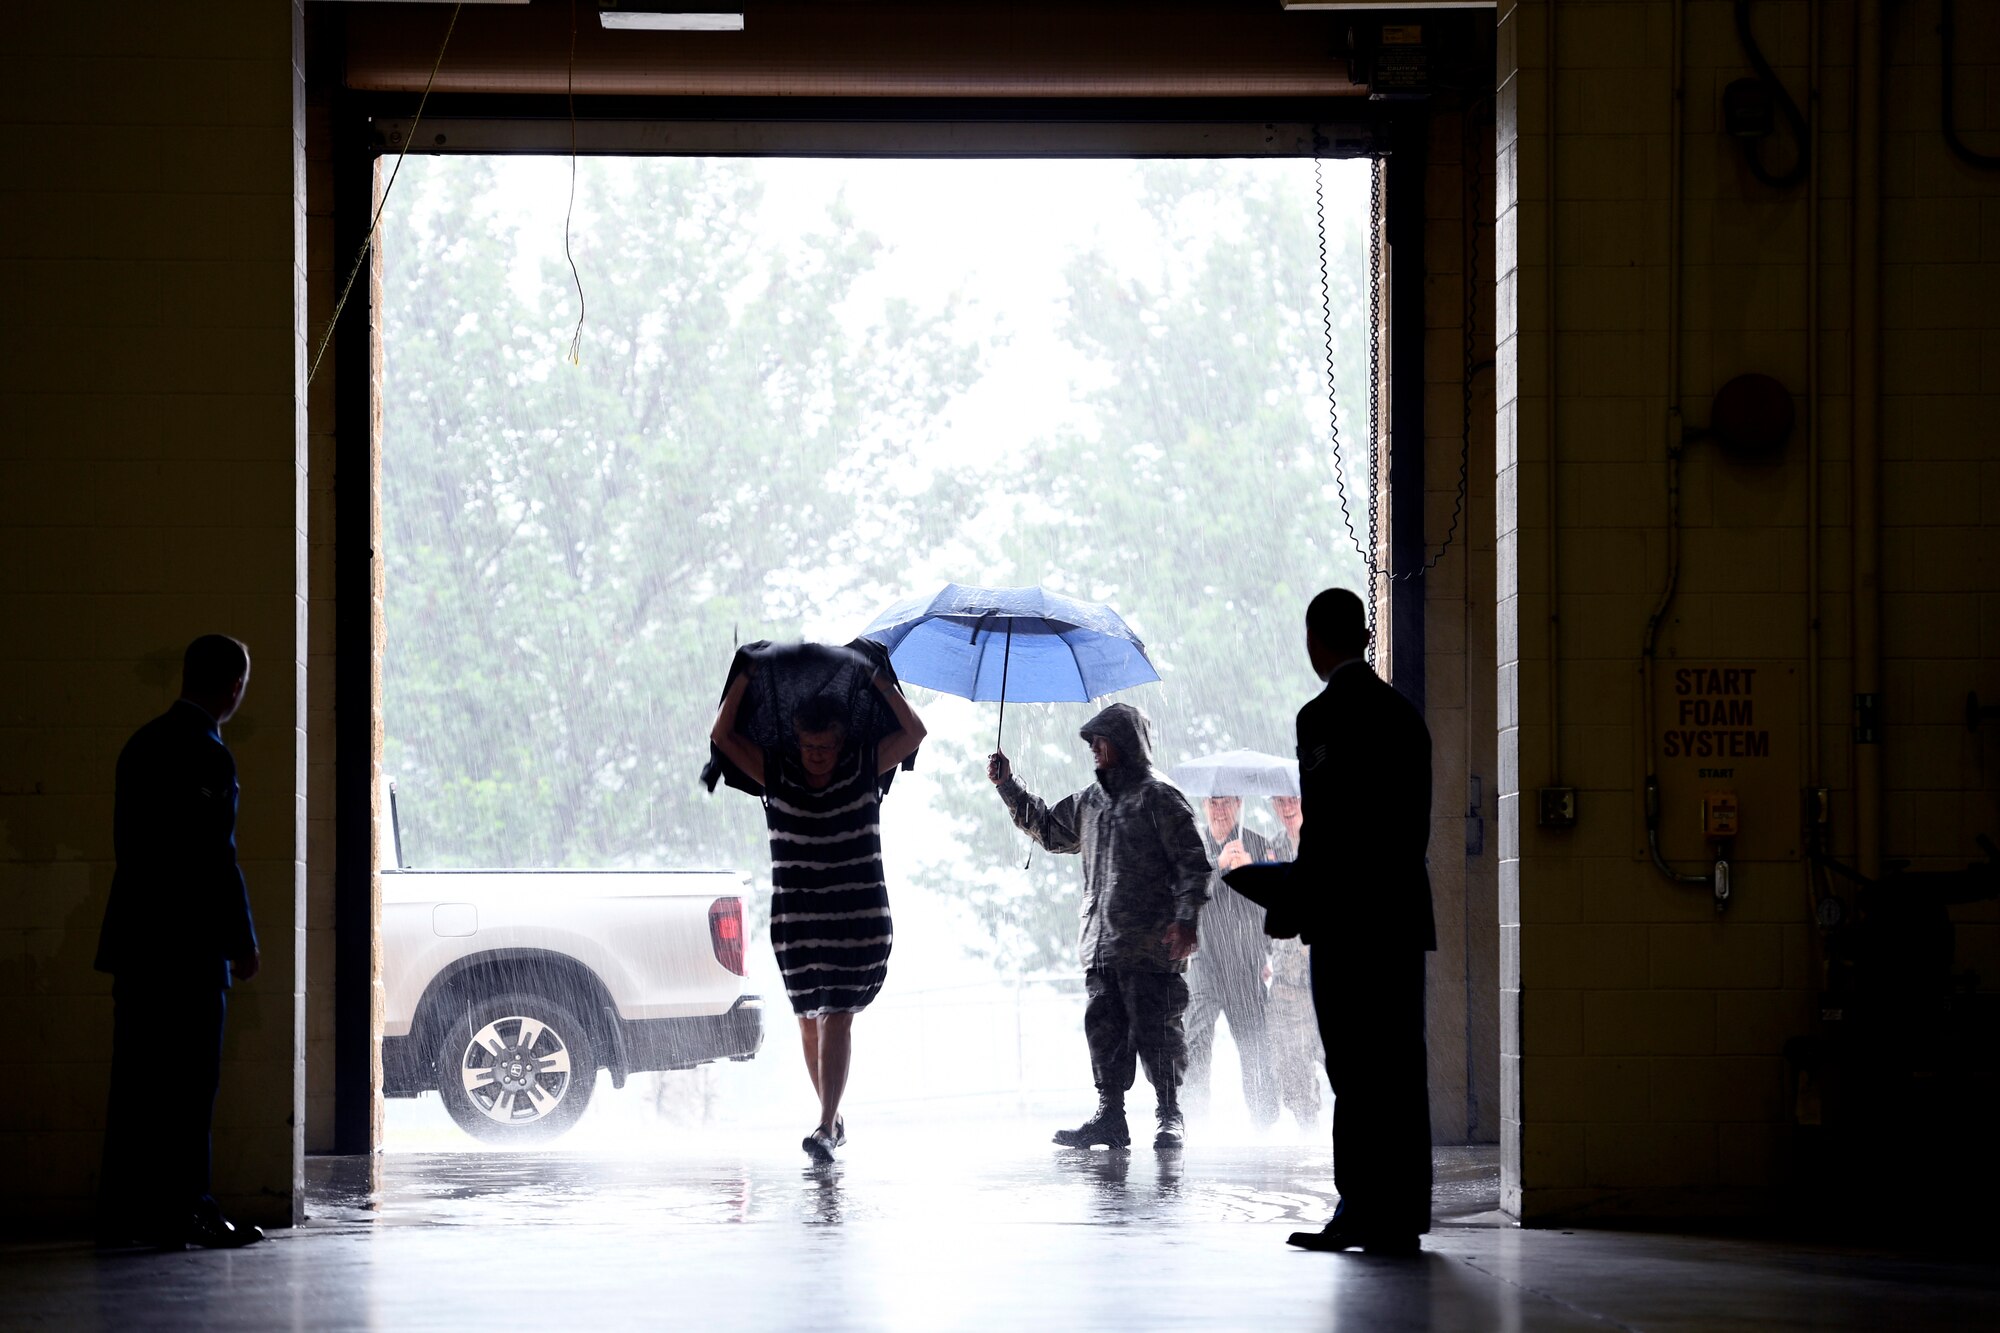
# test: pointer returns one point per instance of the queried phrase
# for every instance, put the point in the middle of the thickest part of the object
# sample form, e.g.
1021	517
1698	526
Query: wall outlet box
1556	808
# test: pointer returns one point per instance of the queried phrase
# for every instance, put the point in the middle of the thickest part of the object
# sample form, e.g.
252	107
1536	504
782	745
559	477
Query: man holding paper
1359	894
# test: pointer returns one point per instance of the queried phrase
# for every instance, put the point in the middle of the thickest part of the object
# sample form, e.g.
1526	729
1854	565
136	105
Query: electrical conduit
1676	435
1865	499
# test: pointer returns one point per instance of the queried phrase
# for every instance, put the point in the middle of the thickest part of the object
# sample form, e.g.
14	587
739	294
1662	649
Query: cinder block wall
1642	1036
152	487
1459	624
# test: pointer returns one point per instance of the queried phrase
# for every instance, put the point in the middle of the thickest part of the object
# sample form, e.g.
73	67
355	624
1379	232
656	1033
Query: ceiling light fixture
1387	4
649	16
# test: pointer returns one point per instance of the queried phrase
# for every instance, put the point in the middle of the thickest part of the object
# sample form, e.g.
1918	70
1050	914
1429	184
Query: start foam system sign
1715	715
1727	747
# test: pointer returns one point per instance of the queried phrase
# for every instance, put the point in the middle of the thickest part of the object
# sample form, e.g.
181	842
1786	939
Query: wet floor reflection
922	1231
823	1199
897	1177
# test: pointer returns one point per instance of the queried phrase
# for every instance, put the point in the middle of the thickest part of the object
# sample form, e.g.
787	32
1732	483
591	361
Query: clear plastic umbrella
1237	773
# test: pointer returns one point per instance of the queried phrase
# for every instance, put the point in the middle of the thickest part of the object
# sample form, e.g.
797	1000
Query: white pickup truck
507	990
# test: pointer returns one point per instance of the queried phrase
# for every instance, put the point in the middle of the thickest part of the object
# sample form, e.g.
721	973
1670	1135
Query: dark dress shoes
1338	1235
208	1229
213	1231
202	1227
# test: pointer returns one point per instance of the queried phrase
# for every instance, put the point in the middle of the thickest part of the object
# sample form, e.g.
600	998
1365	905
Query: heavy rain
637	412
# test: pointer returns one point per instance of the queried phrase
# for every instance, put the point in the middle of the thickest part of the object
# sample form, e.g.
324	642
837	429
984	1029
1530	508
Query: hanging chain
1366	549
1378	266
1377	443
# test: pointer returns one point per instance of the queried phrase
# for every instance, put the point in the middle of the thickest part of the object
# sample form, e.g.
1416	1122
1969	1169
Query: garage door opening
772	396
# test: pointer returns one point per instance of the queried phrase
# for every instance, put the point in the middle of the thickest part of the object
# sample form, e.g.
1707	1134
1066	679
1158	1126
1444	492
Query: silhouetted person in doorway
1145	878
177	932
1226	978
1363	902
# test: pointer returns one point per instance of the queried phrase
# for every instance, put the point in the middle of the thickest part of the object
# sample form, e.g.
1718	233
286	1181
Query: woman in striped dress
830	920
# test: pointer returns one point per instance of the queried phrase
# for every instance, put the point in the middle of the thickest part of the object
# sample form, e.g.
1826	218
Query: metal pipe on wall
1676	436
1553	582
1814	817
1814	777
1864	501
1676	266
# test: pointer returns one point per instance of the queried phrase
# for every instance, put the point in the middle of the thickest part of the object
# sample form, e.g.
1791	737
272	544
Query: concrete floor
926	1231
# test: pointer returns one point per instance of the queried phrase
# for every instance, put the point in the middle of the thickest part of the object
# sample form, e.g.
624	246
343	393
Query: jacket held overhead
784	676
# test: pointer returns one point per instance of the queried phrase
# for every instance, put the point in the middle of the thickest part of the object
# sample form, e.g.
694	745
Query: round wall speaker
1753	417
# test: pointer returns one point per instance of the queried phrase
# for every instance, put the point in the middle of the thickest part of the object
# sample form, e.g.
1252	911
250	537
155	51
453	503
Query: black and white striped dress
829	906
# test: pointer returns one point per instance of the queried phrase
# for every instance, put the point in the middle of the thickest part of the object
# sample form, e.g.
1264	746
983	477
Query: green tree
1198	500
573	549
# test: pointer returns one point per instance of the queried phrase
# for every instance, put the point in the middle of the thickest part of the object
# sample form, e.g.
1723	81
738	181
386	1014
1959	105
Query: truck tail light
725	932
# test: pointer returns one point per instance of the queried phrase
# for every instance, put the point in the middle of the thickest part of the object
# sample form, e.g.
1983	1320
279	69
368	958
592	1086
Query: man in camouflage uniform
1296	1055
1145	878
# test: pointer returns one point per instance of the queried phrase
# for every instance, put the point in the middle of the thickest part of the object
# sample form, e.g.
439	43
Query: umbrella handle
1006	659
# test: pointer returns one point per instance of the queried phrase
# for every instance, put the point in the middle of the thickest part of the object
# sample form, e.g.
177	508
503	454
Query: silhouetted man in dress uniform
176	933
1364	905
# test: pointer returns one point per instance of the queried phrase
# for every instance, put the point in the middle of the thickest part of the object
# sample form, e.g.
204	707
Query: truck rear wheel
516	1067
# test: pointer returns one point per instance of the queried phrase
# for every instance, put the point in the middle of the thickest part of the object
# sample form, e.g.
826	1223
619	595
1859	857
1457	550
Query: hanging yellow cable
368	242
575	357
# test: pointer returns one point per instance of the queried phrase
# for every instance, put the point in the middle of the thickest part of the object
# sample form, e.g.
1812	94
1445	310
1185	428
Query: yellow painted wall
152	488
1642	1036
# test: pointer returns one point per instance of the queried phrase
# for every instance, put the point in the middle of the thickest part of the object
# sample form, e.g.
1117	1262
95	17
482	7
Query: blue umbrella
1023	643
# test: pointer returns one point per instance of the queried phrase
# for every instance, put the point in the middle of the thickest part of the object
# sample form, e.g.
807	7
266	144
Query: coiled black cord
1947	84
1794	118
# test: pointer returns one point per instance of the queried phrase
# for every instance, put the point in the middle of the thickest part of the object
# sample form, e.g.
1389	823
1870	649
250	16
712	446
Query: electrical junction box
1729	746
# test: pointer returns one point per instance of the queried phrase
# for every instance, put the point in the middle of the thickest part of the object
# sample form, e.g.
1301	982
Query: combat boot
1106	1127
1172	1131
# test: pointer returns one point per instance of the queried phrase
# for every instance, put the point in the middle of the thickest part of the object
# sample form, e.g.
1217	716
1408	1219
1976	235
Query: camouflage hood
1144	865
1130	733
